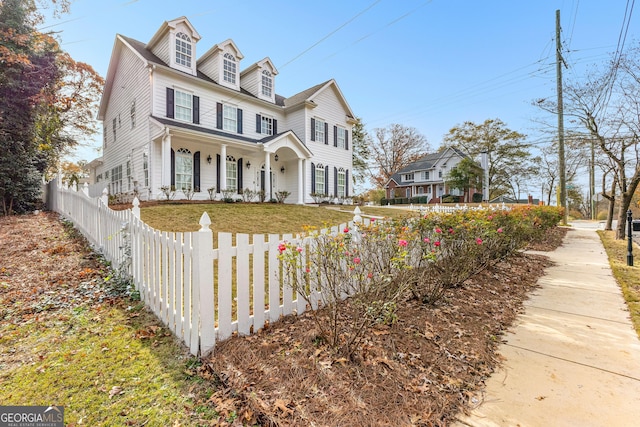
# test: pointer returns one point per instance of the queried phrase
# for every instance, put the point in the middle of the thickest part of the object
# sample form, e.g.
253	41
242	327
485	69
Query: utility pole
561	165
592	182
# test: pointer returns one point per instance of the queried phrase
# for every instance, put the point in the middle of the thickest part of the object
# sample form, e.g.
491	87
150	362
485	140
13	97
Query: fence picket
242	284
274	278
225	284
259	248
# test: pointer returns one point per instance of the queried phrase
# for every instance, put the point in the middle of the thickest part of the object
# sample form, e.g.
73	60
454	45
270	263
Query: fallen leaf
282	405
115	390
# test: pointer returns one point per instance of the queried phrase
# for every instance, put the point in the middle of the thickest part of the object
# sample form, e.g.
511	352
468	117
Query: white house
172	121
426	177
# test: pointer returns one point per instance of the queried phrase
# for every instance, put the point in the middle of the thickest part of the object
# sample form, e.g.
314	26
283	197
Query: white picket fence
203	289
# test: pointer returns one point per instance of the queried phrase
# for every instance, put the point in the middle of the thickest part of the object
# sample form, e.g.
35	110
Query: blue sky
427	64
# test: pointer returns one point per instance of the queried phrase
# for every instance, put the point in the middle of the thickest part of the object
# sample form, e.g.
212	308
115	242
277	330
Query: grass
107	365
628	277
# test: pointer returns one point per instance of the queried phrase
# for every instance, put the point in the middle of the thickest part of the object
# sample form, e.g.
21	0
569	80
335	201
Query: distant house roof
424	163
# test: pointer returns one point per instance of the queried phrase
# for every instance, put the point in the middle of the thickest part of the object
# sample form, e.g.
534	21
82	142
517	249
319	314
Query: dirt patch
422	370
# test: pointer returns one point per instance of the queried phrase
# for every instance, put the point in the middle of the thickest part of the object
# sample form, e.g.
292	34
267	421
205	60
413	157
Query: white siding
131	82
162	51
250	81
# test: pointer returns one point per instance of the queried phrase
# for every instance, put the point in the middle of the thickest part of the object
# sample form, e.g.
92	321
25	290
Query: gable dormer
259	80
175	43
221	63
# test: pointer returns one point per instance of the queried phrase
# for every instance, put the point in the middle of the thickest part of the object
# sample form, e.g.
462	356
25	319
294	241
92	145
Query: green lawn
263	218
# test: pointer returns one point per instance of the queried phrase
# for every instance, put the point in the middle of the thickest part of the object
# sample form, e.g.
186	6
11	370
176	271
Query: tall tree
506	150
361	140
395	147
464	176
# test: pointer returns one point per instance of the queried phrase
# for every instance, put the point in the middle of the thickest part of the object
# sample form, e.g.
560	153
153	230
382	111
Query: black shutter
346	139
313	129
335	181
258	123
218	115
326	133
239	120
170	103
262	186
240	176
196	171
335	136
275	127
313	178
173	168
196	110
346	183
217	173
326	180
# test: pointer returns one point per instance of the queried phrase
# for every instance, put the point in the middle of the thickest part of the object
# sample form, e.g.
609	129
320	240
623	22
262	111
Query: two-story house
171	121
425	177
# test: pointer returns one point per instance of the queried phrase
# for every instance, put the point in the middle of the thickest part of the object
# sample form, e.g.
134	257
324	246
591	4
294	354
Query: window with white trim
408	177
232	173
319	130
184	169
425	175
230	68
230	118
183	106
266	125
341	182
267	83
183	50
115	120
116	179
145	168
341	137
133	113
129	175
420	190
320	179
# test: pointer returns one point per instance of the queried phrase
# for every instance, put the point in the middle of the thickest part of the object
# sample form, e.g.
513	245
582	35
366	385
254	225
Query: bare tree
395	147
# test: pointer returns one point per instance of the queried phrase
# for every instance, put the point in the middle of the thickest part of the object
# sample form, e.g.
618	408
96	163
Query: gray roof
280	100
424	163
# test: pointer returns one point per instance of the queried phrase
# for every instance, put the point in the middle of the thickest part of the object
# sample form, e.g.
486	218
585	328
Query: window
267	83
440	173
408	193
184	169
320	179
230	118
183	101
229	69
341	182
119	121
266	126
420	190
104	137
116	179
232	173
425	176
129	174
114	129
183	50
145	168
319	131
99	178
408	177
133	114
340	137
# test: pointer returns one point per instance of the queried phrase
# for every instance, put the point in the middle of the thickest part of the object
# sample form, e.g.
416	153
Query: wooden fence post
202	307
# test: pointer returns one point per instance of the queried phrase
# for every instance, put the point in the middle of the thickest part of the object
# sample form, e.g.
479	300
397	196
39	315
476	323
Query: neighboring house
172	121
426	177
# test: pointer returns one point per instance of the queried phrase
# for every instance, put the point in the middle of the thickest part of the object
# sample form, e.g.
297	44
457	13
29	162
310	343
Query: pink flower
427	240
479	241
346	229
490	217
402	242
308	270
437	243
373	220
282	247
450	230
438	230
299	249
499	230
356	260
370	275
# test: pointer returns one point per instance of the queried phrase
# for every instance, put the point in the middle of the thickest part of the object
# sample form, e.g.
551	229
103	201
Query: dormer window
267	83
230	69
183	50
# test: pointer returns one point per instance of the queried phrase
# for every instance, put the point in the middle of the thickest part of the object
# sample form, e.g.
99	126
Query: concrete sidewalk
573	358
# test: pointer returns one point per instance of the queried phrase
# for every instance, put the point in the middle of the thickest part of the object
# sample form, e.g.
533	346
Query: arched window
230	68
232	173
183	50
320	179
341	182
267	83
184	169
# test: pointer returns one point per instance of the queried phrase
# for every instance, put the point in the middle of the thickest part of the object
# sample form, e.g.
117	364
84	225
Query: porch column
267	176
223	167
166	160
301	181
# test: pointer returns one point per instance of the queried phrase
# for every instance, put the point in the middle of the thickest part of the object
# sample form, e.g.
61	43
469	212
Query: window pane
183	103
232	175
341	137
267	125
320	181
184	170
319	131
229	118
229	69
